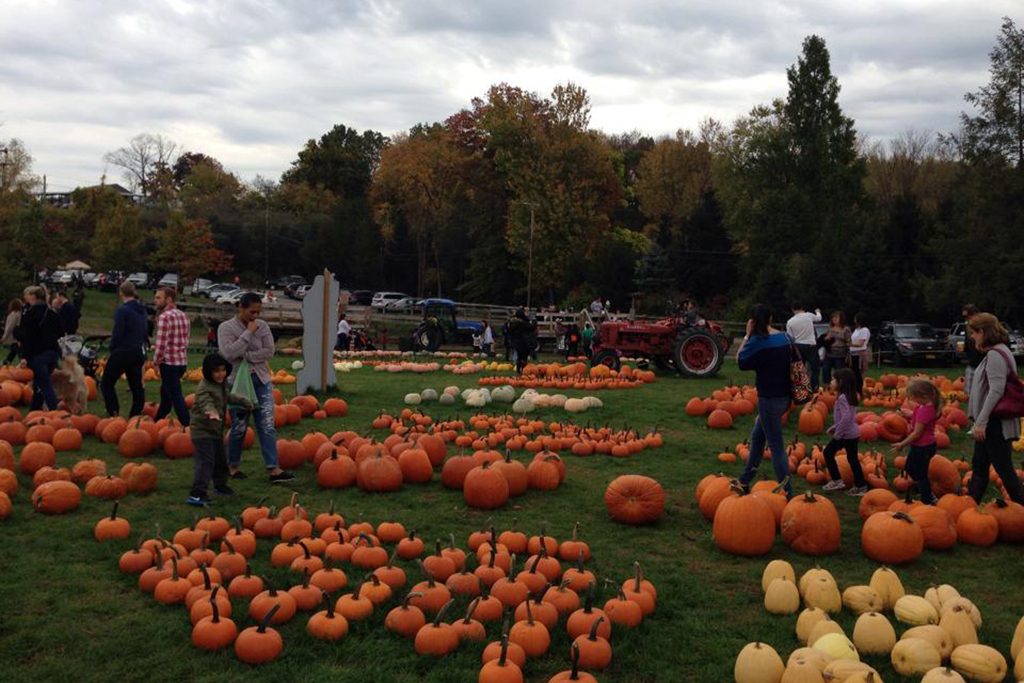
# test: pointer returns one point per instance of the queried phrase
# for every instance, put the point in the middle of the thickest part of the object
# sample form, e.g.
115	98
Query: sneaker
198	501
933	501
281	478
239	475
857	491
834	485
224	490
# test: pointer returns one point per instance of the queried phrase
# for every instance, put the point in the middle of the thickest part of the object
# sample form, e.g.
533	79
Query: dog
69	384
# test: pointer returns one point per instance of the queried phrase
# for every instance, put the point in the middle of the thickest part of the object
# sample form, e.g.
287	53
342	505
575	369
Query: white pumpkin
837	646
575	405
412	399
522	406
808	654
822	592
862	599
802	671
446	399
942	674
873	634
452	391
758	663
888	586
476	399
979	663
810	575
957	623
298	365
806	622
823	628
593	402
782	597
936	635
429	394
914	610
914	657
779	569
842	670
966	605
1017	644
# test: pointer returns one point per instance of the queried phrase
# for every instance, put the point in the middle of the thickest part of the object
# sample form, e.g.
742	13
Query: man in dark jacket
67	312
39	334
127	352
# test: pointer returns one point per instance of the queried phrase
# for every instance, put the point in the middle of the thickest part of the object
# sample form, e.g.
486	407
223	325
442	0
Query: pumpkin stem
440	613
574	675
529	614
410	596
229	544
451	541
536	561
174	568
305	549
638	576
504	650
113	513
206	576
437	547
593	629
328	603
588	602
262	628
271	591
470	610
305	577
238	525
213	606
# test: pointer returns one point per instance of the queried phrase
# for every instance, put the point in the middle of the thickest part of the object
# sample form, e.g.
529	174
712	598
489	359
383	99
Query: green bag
242	385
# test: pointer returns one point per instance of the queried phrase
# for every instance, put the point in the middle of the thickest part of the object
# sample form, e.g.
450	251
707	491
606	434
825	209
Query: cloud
249	83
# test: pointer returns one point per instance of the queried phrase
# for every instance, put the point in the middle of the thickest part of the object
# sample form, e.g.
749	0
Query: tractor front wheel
606	357
697	353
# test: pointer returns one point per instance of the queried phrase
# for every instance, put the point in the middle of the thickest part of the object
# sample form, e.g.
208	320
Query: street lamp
529	267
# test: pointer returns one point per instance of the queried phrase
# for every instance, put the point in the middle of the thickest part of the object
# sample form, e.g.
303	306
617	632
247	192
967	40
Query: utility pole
529	266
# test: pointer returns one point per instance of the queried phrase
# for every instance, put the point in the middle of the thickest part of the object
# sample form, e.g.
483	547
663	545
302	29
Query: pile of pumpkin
889	390
487	478
207	567
942	629
894	531
574	376
483	432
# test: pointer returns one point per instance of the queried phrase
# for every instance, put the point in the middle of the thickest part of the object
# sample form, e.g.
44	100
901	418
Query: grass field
65	610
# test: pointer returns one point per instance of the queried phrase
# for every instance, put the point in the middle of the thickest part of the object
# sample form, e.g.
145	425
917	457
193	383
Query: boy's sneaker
857	491
281	478
933	501
224	490
239	475
834	485
198	501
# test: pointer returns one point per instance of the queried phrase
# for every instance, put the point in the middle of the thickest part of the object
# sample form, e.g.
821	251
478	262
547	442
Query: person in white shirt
487	339
860	349
343	331
800	329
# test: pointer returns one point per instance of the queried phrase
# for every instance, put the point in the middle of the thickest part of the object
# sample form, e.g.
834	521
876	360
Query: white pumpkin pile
473	397
531	400
348	365
940	643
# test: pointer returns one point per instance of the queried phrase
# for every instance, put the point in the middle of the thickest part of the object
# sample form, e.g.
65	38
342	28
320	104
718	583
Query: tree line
786	204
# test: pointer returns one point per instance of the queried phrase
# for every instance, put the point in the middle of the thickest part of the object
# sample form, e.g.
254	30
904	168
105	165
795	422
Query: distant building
66	199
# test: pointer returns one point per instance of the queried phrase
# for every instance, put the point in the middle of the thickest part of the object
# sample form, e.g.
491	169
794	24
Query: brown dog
69	384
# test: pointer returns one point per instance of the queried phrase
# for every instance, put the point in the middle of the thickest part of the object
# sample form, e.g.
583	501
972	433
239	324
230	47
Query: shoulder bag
799	379
1011	404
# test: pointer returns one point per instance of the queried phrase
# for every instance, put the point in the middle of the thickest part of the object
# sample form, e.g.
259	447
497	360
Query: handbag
799	379
243	386
1011	404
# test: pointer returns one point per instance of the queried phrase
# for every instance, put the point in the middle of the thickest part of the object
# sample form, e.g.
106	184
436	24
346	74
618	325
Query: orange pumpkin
635	499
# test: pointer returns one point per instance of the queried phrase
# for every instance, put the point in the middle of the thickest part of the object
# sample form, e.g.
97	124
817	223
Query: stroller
361	341
85	348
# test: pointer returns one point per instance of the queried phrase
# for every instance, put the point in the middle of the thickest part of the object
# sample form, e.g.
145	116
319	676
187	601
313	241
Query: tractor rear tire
429	338
697	353
608	358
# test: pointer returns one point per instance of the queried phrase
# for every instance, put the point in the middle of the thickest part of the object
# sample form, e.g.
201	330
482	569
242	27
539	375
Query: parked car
907	343
138	279
298	293
91	279
216	291
955	343
199	286
405	304
62	277
284	282
381	300
169	280
110	281
360	297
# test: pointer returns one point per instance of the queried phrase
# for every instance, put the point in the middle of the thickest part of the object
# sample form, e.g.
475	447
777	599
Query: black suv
912	343
283	283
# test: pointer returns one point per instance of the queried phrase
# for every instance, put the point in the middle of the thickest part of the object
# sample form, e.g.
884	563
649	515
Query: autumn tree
342	161
144	155
119	242
186	246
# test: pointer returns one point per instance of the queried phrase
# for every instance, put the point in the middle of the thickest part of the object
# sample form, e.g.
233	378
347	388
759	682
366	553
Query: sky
250	81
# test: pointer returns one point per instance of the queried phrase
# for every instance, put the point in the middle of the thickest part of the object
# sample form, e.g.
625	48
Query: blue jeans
768	429
263	417
170	393
42	364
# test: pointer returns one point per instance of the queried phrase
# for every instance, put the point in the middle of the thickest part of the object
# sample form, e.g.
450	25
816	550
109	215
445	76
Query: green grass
67	610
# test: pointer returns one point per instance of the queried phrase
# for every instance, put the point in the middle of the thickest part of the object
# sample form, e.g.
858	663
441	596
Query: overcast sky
249	81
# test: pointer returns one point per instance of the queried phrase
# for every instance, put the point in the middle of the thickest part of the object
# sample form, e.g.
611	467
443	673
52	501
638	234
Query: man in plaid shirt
170	355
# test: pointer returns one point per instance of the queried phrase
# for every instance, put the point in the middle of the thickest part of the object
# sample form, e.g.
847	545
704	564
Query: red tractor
672	345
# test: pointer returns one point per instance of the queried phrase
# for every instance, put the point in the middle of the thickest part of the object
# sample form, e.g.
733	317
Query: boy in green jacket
208	414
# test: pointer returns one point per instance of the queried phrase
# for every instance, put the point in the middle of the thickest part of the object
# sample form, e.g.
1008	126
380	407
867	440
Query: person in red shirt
170	355
922	435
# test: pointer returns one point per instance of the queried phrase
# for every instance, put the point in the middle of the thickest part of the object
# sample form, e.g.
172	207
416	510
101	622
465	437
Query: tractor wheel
697	353
606	357
429	338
